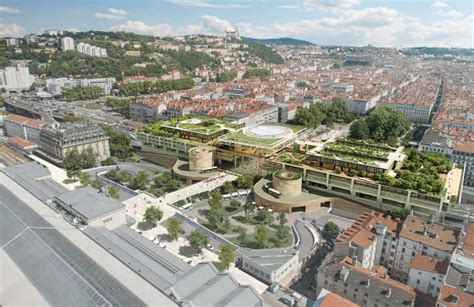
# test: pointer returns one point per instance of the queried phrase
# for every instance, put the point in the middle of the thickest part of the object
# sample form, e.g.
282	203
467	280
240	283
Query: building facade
57	142
56	86
67	43
16	78
23	127
427	274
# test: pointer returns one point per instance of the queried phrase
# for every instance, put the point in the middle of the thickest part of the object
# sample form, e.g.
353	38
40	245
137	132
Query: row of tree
326	114
83	93
381	125
150	87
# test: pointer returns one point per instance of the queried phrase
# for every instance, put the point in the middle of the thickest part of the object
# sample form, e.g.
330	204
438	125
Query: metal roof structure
62	273
88	202
201	285
35	178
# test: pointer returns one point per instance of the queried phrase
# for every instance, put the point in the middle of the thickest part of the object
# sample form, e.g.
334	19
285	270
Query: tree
282	235
109	161
398	213
257	73
359	130
234	204
83	93
73	174
385	123
113	192
226	255
198	240
216	218
119	143
242	236
216	200
282	218
152	215
245	182
261	235
227	187
140	181
72	160
264	217
96	184
174	228
84	178
330	231
249	209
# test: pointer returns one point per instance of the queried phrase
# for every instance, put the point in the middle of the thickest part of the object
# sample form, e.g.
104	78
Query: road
307	239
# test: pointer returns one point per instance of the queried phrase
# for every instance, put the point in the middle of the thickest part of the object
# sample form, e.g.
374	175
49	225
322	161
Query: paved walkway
57	174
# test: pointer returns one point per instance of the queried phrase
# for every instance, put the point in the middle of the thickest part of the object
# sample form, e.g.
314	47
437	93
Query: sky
382	23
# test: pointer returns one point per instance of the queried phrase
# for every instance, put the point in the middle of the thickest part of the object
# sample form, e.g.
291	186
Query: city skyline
446	23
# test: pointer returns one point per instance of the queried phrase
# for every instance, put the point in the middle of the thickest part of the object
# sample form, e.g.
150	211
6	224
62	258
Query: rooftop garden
201	125
240	136
358	149
421	172
285	175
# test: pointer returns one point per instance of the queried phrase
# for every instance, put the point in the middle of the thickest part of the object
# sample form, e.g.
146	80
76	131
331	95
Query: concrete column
352	188
379	197
407	203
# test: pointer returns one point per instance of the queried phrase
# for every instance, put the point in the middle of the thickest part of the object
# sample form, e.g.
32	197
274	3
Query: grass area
344	148
239	136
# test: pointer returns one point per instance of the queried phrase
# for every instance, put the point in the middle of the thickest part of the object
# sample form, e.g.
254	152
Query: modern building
22	127
148	110
12	41
56	86
427	274
269	265
90	50
67	43
16	78
91	207
56	142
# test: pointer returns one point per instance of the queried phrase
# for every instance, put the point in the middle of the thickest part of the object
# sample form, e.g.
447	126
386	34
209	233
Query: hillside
279	41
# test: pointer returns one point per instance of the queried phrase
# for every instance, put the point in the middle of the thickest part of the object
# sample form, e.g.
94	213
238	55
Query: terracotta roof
450	296
464	147
468	241
435	235
334	300
24	120
22	142
430	264
361	231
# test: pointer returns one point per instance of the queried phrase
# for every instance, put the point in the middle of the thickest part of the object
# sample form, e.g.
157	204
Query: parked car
210	247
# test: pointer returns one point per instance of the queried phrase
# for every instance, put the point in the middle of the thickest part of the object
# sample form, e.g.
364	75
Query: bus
208	170
274	192
235	195
226	196
244	193
187	207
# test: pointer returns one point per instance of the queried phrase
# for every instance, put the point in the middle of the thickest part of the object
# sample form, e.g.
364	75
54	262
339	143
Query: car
210	247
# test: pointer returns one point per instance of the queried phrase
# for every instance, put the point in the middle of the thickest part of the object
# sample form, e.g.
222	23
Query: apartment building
148	110
420	236
91	50
56	86
346	277
56	142
458	289
427	274
414	112
373	237
16	78
463	153
23	127
67	43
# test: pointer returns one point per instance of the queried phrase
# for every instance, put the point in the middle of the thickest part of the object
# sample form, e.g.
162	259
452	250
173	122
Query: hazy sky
447	23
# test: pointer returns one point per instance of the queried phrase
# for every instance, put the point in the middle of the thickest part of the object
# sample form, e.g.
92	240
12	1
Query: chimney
354	260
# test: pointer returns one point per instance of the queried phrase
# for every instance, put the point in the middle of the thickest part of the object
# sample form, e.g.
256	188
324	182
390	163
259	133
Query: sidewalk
57	174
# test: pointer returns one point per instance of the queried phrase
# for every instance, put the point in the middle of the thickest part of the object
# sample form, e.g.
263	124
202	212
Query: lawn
239	136
272	242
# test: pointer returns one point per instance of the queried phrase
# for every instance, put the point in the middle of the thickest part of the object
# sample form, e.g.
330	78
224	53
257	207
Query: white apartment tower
67	43
16	78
